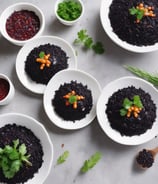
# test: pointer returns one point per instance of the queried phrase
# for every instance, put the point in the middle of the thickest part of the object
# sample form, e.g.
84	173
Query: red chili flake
22	25
4	88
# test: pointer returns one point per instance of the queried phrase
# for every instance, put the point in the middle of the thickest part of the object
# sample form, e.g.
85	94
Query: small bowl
7	88
67	22
18	7
105	21
40	132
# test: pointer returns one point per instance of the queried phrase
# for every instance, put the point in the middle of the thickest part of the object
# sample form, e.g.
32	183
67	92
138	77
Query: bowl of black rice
39	60
127	110
20	130
70	99
131	24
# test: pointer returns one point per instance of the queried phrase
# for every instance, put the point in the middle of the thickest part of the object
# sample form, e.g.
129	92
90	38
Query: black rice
125	26
130	126
58	59
145	158
68	112
11	132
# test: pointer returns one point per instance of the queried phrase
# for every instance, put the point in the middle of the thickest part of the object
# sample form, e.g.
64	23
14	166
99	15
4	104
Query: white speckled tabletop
117	165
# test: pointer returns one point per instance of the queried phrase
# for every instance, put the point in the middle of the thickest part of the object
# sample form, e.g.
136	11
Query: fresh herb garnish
63	157
89	164
137	12
85	40
12	158
69	10
128	106
41	54
152	78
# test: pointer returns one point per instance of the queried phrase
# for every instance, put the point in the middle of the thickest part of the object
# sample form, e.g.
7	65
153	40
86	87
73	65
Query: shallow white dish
41	133
114	86
105	21
66	76
25	50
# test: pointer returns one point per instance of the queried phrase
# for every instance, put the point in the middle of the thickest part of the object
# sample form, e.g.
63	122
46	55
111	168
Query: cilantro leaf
89	164
63	157
137	101
98	48
41	54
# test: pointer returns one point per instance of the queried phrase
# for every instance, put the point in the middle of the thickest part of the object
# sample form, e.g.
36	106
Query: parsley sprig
89	164
12	158
137	12
87	41
128	103
62	158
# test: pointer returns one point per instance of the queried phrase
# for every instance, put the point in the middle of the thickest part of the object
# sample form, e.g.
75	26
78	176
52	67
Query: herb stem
152	78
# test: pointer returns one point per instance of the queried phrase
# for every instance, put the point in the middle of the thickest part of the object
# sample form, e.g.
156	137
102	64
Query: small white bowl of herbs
69	12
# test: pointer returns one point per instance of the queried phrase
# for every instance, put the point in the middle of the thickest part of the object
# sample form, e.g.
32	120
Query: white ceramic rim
25	50
107	91
46	141
105	21
66	76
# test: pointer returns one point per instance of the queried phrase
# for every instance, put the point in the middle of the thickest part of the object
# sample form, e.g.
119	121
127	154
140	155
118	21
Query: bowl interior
41	133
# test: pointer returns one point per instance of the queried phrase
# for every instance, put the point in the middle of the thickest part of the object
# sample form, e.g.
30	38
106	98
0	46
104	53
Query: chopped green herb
69	10
128	104
85	40
41	54
12	158
152	78
72	99
89	164
137	12
63	157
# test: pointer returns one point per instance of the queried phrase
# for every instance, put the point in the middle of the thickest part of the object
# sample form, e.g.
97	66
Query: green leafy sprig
89	164
152	78
62	158
41	54
12	158
128	103
137	12
85	40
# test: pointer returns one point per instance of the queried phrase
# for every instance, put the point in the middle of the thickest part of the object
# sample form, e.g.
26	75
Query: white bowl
41	133
11	91
66	22
17	7
66	76
102	117
25	50
104	16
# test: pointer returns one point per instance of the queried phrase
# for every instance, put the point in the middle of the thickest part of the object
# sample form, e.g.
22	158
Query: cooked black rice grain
58	58
130	126
11	132
145	158
124	25
68	112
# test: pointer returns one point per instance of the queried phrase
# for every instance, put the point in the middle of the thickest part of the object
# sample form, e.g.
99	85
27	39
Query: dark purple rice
11	132
130	126
145	158
68	112
124	25
58	58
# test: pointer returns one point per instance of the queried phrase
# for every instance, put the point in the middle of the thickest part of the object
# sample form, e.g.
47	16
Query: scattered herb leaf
85	40
12	158
88	164
152	78
63	157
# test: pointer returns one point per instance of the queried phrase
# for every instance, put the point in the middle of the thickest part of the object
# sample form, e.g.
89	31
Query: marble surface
117	165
